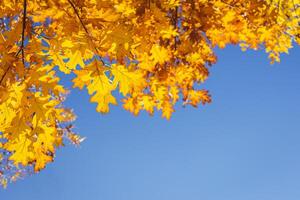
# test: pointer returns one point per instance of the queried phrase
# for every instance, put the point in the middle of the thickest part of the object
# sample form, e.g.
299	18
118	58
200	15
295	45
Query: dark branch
77	14
2	78
21	50
84	27
23	32
175	26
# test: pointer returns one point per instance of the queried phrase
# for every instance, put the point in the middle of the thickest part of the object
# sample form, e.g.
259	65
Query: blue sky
243	146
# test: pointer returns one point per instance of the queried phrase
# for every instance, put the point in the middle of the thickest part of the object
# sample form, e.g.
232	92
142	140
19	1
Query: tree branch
85	28
175	26
77	14
23	32
3	76
21	50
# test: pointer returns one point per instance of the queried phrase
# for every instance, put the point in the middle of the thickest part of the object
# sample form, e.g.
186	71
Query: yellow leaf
100	88
128	81
159	54
75	59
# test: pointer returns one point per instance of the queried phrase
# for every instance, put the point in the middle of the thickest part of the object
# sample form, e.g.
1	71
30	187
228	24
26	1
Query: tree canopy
155	53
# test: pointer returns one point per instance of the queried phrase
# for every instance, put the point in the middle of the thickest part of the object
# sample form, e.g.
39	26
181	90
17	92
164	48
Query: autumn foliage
154	52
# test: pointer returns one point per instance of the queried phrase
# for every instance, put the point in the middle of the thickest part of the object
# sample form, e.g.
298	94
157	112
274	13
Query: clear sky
243	146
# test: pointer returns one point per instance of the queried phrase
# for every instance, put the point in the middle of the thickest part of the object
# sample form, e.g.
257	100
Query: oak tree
156	53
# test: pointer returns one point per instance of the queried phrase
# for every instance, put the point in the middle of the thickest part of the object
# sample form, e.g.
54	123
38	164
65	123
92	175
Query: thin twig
3	76
77	14
85	29
23	31
175	26
21	50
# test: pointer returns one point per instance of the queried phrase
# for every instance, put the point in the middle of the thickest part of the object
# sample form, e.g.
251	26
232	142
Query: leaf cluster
156	53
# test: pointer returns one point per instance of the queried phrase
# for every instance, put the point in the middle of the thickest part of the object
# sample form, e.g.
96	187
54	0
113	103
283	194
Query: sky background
245	145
